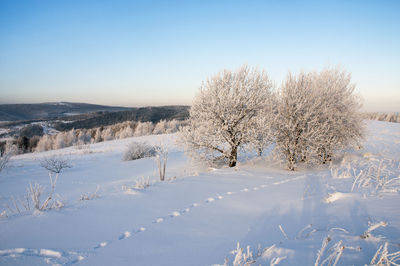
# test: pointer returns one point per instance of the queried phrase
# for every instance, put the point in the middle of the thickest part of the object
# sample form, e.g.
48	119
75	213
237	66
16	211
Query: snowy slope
198	218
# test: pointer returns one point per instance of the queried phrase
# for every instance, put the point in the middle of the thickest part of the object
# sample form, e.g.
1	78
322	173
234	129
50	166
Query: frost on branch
317	115
224	113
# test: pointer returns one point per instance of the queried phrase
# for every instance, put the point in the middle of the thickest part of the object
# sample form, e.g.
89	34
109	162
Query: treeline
78	137
152	114
387	117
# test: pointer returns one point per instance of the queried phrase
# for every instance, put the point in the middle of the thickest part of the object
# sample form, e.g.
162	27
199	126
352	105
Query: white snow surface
198	215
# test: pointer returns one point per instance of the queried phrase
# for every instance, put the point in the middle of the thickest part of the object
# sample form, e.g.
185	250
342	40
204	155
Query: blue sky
136	53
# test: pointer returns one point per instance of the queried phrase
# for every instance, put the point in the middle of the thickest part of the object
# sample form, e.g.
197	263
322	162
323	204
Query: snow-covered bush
138	150
376	177
161	160
55	164
384	257
246	257
317	115
223	113
333	257
142	183
90	196
35	191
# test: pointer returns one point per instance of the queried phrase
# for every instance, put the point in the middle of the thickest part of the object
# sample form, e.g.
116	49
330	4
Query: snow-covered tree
125	132
160	127
223	111
45	143
107	134
59	141
317	114
339	116
144	128
97	136
172	126
260	128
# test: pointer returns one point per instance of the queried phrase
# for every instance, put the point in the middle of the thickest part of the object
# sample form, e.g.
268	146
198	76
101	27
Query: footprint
186	210
159	220
245	190
263	186
78	259
102	244
255	188
141	229
175	214
220	197
210	200
195	204
229	193
125	235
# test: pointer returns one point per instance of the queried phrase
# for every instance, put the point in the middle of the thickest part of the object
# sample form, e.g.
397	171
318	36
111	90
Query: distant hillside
16	112
152	114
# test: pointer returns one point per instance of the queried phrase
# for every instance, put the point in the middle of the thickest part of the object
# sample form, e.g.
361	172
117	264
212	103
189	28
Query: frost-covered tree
261	135
59	141
45	143
172	126
223	111
160	127
296	113
339	116
144	128
107	134
125	132
97	136
317	114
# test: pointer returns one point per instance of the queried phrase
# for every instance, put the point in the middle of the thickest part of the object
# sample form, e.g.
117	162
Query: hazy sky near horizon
136	53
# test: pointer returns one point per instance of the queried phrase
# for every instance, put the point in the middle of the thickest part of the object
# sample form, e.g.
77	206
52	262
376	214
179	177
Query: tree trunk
233	157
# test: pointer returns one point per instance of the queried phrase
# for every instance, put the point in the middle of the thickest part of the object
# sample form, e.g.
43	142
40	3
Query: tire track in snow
69	258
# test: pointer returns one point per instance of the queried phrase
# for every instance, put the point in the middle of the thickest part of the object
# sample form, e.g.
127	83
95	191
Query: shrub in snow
90	196
332	258
161	159
142	183
375	177
55	164
370	176
246	257
36	191
223	113
137	150
384	257
316	115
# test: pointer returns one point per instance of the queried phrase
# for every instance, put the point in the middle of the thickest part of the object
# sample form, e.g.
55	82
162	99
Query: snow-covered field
198	216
